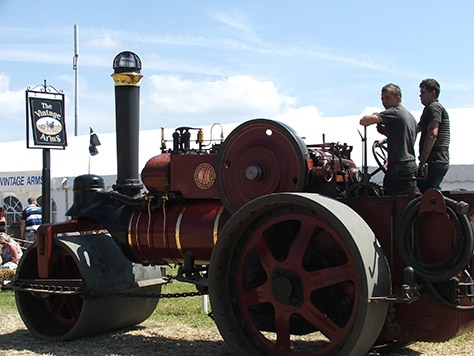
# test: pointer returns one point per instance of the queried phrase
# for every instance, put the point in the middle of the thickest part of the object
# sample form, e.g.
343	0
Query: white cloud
13	110
104	42
4	83
300	119
228	100
31	55
236	20
13	102
370	110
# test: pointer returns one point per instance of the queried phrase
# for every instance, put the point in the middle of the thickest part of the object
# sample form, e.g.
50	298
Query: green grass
185	310
464	338
7	301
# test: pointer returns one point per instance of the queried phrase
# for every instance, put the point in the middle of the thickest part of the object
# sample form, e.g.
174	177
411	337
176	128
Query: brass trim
216	224
127	79
148	225
129	232
136	237
178	225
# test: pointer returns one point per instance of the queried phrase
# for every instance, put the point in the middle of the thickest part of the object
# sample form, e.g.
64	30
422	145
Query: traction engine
300	253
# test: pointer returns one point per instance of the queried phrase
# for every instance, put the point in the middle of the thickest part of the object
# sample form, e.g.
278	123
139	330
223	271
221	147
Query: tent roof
74	160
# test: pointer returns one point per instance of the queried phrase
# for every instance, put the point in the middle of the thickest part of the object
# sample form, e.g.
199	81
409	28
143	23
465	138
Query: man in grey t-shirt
399	125
435	136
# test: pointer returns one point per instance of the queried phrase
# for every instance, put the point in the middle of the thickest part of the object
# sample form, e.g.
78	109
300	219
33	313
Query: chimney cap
127	62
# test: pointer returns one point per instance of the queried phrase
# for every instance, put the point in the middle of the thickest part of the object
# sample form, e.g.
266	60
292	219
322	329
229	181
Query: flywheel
260	157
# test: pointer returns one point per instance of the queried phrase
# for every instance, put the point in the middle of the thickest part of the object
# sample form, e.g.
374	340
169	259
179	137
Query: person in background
30	221
399	125
3	219
11	252
435	136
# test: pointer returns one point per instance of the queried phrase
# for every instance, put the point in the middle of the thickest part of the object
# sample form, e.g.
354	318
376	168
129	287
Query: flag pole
75	68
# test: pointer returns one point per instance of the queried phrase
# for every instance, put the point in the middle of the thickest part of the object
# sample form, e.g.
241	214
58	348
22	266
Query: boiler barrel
165	235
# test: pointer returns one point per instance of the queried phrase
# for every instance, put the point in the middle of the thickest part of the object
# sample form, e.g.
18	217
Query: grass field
184	310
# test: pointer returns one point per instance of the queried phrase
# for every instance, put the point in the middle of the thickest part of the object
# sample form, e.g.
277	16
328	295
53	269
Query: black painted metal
46	187
97	260
109	209
127	122
127	62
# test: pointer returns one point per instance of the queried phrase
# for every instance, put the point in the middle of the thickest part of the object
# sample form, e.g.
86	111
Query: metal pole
205	303
75	67
366	166
46	187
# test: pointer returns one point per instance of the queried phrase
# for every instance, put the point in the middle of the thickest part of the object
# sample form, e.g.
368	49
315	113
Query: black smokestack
127	77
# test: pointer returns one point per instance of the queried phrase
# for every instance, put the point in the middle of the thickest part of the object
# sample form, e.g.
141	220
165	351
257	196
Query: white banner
30	181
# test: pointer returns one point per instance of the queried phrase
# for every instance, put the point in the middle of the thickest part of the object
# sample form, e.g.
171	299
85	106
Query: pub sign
47	121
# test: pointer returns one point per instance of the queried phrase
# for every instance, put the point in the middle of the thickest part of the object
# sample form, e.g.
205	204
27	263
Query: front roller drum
294	274
98	262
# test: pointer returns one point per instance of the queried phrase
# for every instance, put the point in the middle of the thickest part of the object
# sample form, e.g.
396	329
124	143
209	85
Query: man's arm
431	135
368	120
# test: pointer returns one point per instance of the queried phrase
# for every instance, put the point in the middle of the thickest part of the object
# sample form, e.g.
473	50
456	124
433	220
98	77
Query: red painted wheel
260	157
293	274
64	308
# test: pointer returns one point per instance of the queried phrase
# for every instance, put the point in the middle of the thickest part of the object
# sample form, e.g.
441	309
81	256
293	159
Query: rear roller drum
293	274
99	263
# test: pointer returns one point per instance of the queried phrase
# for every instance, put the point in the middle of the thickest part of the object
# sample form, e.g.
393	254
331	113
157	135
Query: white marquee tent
18	161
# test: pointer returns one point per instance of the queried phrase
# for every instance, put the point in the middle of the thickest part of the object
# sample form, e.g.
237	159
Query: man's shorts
30	237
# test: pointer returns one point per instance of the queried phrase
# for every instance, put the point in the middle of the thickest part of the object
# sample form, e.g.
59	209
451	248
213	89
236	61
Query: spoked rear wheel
292	274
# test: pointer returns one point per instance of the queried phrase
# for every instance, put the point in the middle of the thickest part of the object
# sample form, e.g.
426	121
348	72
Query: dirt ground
153	338
148	338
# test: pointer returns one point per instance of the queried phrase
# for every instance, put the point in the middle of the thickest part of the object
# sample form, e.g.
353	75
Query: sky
221	61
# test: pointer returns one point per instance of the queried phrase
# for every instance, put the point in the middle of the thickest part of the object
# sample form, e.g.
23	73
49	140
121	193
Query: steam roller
301	253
